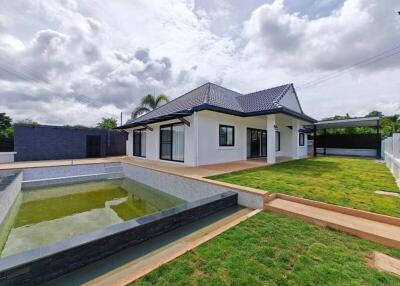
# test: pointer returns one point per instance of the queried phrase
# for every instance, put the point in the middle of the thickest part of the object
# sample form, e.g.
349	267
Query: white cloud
74	62
358	29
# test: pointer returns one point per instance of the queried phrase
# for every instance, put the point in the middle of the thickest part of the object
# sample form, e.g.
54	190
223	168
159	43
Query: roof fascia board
171	116
255	113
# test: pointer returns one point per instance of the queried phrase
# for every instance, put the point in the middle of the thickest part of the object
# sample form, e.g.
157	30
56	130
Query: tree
107	123
6	128
375	113
390	124
28	121
80	126
148	103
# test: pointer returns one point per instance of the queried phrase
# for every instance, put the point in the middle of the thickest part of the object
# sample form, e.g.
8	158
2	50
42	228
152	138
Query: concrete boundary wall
348	152
391	145
7	157
191	189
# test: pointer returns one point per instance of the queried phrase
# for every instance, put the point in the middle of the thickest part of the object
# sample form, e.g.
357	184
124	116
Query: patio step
379	228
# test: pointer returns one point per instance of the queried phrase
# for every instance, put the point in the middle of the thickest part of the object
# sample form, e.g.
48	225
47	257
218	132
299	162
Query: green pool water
49	214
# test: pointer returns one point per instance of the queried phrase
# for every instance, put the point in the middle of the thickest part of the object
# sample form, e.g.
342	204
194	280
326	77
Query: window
172	142
139	143
301	139
277	141
226	135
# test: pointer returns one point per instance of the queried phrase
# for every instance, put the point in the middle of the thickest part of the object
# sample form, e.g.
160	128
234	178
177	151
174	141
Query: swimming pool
54	220
50	214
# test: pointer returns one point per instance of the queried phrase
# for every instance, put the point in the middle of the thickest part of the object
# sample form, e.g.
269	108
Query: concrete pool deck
176	169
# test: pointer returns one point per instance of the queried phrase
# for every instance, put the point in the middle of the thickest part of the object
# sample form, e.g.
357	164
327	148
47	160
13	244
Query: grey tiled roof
215	96
264	99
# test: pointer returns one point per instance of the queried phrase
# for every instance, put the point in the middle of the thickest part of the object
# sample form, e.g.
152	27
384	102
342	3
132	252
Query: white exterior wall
209	151
153	142
202	138
290	101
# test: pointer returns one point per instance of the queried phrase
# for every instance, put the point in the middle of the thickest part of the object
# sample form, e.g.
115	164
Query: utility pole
121	119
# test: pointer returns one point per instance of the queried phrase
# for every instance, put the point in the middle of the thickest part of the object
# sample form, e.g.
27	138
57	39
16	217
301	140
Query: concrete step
357	225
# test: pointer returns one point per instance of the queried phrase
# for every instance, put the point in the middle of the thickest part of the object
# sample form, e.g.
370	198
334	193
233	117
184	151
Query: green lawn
349	182
269	249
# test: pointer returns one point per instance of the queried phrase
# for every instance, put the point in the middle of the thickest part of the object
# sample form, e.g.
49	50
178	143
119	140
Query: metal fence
391	152
367	145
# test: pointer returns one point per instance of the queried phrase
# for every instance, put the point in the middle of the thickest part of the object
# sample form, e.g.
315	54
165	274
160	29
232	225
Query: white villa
212	124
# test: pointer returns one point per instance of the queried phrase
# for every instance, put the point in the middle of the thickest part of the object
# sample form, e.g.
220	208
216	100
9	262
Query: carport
348	144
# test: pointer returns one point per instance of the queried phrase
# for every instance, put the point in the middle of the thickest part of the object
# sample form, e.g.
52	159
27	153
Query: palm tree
148	103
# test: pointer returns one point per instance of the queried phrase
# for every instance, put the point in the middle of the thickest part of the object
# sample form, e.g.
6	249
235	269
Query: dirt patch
383	262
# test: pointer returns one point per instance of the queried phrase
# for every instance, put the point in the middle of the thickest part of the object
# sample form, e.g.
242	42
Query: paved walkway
54	163
384	233
200	171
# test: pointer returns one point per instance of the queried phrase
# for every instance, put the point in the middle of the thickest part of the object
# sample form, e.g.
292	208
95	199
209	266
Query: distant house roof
217	98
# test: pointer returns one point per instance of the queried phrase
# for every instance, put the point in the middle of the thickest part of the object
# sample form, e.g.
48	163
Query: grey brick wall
39	142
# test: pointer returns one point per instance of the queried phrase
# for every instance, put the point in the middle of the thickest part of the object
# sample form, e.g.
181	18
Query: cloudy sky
73	62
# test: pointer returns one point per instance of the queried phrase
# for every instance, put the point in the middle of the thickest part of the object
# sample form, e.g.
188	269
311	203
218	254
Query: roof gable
263	100
290	100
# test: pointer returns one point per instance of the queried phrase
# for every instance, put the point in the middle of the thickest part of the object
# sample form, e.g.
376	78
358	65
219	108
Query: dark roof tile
219	97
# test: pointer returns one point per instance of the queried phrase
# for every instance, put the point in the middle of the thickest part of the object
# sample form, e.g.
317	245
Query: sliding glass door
256	143
172	142
139	143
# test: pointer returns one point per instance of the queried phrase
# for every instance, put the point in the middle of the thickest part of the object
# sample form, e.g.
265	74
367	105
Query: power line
381	56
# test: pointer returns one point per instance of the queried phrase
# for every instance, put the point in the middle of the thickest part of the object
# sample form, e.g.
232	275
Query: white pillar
295	139
271	153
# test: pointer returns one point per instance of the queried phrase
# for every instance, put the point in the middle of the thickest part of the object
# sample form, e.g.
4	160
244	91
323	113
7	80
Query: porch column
295	139
271	153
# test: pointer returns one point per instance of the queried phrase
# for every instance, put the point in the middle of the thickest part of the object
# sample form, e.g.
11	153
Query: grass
344	181
269	249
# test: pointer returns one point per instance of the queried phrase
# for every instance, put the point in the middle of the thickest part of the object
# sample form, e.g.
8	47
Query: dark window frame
226	139
140	144
172	141
301	139
262	131
278	146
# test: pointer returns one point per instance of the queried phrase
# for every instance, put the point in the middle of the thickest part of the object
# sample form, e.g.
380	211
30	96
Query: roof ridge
220	86
208	93
276	101
261	90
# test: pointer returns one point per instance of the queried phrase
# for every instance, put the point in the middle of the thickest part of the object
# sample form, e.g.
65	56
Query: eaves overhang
214	108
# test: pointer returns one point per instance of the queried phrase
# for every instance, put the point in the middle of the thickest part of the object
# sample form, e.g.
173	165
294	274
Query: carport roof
351	122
